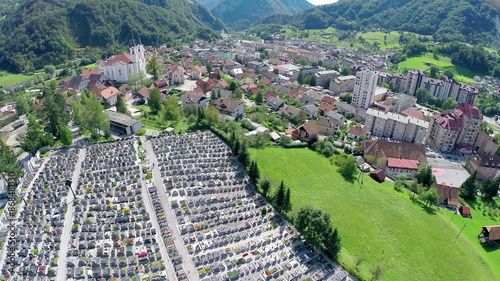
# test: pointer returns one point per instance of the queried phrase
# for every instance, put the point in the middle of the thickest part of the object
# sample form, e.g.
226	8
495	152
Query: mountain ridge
41	32
471	21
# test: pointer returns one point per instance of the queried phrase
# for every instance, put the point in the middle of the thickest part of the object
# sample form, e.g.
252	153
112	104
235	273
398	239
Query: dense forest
470	21
242	14
41	32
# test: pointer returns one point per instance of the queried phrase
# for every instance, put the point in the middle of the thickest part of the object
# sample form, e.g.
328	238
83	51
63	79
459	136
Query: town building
342	84
487	166
122	123
485	144
395	126
364	89
414	81
230	107
307	132
120	67
455	129
395	158
328	127
323	78
448	194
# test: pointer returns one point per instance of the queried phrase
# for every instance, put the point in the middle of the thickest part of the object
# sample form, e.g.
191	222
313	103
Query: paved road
68	220
149	207
179	244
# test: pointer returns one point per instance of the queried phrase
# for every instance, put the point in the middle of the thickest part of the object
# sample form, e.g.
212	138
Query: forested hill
448	20
242	14
40	32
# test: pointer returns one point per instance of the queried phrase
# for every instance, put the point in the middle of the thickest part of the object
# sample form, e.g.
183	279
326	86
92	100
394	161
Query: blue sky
321	2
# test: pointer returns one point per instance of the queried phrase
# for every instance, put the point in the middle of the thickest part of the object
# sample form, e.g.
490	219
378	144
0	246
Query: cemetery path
186	260
66	234
149	207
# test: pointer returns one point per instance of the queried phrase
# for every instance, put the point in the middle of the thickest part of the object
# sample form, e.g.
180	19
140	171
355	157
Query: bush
295	145
141	132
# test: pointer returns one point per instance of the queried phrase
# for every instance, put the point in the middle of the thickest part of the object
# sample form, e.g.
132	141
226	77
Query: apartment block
395	126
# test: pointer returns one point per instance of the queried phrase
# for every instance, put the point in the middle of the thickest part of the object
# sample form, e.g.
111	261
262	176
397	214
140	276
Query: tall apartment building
364	89
395	126
455	129
414	81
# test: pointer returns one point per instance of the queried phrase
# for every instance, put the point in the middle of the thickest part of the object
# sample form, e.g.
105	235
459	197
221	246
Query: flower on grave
89	188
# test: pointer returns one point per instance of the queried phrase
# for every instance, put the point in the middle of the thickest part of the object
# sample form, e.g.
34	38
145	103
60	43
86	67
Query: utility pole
452	217
466	224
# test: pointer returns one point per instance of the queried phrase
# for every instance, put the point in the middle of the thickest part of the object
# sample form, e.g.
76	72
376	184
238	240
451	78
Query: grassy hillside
462	74
383	226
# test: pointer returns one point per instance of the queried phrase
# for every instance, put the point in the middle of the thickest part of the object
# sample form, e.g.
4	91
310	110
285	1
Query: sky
321	2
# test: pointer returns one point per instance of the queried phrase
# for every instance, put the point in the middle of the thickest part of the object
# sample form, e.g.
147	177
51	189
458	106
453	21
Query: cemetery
174	207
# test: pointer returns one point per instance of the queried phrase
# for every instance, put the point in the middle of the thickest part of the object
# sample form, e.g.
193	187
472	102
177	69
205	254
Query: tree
259	98
77	111
345	71
430	196
448	73
468	189
172	109
120	105
238	94
346	98
422	95
8	161
302	61
232	86
400	182
424	175
212	115
49	69
243	156
136	80
449	103
35	138
347	166
265	185
279	198
253	172
53	113
65	134
153	67
154	100
313	224
331	243
434	71
490	187
93	117
287	205
22	106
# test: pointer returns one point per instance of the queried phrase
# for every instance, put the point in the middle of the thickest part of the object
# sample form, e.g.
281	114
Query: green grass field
392	39
159	124
462	74
9	79
375	222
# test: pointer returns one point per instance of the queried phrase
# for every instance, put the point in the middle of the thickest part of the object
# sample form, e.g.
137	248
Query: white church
120	67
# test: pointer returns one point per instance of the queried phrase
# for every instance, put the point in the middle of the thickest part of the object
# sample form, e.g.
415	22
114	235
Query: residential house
358	133
343	108
143	95
325	108
193	99
487	166
175	74
288	110
323	78
490	233
378	152
335	116
328	127
196	72
328	99
275	103
78	83
448	194
110	95
307	132
311	110
230	107
162	85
